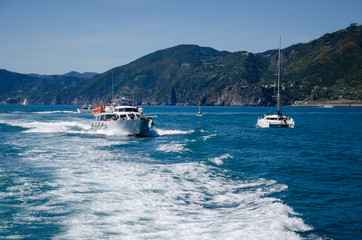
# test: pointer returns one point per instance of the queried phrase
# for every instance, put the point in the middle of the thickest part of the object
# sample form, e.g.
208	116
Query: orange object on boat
97	110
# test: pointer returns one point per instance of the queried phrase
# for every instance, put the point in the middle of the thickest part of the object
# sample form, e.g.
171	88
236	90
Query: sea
215	176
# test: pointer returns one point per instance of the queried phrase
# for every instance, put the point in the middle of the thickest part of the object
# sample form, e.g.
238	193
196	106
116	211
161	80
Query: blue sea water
217	176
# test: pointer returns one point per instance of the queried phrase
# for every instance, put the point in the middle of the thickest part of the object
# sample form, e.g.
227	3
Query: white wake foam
51	112
162	132
96	192
51	127
182	201
172	147
209	136
109	132
219	160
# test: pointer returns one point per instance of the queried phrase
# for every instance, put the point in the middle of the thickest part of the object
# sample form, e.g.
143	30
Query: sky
56	37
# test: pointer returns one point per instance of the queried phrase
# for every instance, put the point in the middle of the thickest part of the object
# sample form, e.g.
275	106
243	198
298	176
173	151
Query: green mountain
143	77
328	68
182	75
15	86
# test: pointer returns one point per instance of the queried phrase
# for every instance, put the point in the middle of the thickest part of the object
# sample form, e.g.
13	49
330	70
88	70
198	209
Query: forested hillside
327	68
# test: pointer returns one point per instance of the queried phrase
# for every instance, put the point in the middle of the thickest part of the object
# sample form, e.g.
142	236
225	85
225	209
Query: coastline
327	104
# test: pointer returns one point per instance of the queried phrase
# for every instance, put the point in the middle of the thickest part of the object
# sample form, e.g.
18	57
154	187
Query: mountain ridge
326	68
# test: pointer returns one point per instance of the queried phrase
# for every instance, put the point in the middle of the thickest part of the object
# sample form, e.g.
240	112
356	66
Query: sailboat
276	119
25	102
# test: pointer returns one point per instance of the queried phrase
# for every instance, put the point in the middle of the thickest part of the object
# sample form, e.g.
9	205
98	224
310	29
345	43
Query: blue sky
55	37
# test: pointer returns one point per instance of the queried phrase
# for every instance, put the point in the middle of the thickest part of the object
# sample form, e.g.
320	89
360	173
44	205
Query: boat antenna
112	84
134	98
280	39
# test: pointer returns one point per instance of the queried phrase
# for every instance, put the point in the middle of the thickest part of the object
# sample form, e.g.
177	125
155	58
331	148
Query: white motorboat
276	119
86	108
122	116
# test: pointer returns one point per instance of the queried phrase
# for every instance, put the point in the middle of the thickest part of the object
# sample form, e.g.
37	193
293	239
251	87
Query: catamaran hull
264	123
136	127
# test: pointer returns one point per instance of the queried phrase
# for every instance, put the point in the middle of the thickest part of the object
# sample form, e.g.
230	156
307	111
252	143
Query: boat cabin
275	117
119	110
116	116
126	109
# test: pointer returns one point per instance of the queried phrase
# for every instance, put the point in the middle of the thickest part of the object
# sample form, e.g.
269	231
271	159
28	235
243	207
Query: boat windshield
276	118
123	102
127	110
105	117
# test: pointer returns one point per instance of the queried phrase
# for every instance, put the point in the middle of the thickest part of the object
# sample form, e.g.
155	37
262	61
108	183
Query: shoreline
306	103
328	104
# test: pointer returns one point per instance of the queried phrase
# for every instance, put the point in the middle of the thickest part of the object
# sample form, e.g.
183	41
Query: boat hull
136	127
266	123
84	110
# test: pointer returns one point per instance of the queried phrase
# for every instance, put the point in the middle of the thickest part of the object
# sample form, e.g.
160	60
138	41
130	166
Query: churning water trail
191	178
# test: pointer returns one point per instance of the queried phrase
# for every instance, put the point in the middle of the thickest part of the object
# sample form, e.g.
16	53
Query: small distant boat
25	102
123	115
276	119
327	106
86	108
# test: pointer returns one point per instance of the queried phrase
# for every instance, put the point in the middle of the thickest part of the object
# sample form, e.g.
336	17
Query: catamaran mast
112	84
280	39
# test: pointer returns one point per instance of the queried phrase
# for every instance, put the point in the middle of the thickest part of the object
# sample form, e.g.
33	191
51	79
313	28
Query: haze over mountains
327	68
69	74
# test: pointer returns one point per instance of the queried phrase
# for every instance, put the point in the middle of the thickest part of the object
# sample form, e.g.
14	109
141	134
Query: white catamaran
123	115
276	119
